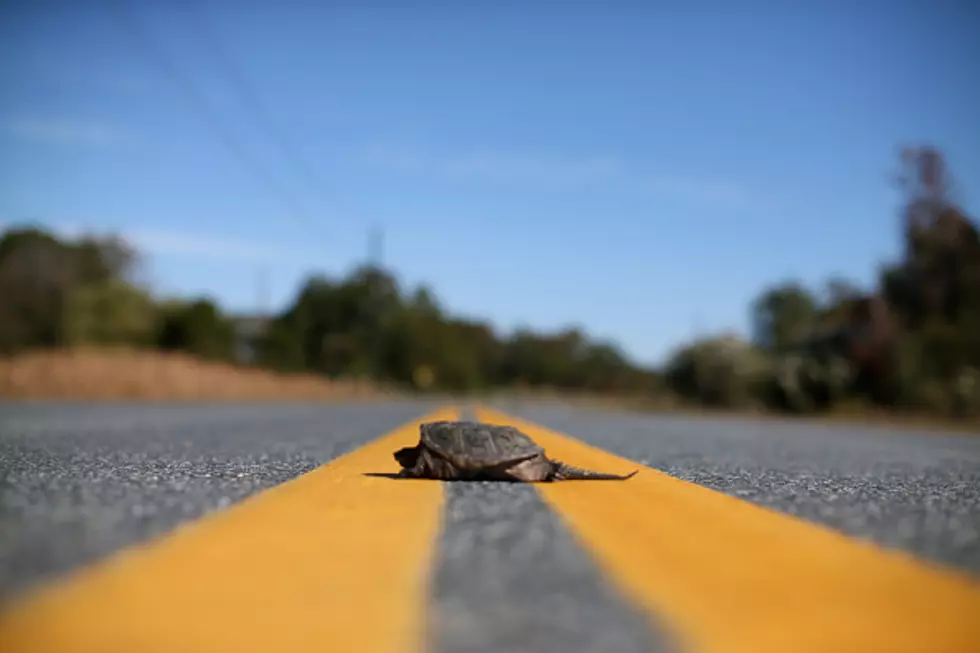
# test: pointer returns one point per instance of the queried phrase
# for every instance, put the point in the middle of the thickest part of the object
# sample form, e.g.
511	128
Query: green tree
782	315
722	371
41	274
109	312
198	328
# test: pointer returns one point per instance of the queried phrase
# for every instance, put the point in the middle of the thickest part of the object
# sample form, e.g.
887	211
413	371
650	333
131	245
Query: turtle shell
475	445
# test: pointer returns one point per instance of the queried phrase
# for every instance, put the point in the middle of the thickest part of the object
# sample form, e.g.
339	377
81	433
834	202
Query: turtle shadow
399	477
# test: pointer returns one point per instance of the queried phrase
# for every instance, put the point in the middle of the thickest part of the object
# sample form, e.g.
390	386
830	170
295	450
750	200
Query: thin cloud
494	166
203	246
395	159
188	244
716	192
544	170
73	74
538	169
72	132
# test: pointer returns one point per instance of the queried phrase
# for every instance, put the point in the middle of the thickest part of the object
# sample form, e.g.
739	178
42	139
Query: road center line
331	561
730	576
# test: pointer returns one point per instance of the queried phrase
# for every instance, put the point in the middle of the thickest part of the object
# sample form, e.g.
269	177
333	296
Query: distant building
248	330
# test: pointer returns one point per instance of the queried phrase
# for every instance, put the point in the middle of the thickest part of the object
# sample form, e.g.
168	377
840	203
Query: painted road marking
731	577
330	561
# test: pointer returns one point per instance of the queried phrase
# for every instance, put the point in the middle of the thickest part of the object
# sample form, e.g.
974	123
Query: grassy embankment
107	374
122	374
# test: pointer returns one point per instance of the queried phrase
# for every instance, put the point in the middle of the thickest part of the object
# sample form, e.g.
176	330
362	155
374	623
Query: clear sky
642	173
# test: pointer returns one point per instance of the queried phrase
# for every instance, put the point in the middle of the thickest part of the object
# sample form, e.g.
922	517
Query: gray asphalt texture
78	482
509	577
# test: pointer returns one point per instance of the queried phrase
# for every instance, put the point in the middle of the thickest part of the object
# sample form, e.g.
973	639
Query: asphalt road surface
918	491
79	482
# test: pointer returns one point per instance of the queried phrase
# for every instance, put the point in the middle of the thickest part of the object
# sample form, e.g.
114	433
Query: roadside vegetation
106	373
75	321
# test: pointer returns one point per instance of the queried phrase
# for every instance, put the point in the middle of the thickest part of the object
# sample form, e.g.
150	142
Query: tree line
910	343
57	292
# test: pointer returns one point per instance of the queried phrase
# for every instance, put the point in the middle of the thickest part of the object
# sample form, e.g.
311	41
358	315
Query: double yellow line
338	560
334	560
729	576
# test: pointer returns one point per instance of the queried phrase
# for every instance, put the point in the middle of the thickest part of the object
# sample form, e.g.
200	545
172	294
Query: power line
156	56
247	93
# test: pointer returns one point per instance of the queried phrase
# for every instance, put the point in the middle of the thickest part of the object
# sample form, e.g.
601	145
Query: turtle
467	450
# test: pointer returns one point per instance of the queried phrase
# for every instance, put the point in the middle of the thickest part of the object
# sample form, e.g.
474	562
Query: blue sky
640	172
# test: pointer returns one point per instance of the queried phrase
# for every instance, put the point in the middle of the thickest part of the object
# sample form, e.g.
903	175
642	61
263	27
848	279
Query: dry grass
850	415
670	405
123	374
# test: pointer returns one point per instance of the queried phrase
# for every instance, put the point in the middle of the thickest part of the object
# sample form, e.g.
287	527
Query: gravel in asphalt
919	492
79	482
510	577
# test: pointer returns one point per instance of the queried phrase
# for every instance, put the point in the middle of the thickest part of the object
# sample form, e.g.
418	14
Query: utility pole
376	246
375	260
251	329
262	291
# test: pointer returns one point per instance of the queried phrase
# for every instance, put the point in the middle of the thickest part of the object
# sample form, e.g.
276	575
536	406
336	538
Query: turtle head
407	456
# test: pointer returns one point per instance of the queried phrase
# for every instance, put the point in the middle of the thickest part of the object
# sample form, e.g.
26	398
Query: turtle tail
562	472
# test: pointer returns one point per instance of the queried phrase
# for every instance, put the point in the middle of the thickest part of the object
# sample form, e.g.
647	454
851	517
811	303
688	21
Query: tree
35	277
109	312
721	371
41	274
782	315
198	328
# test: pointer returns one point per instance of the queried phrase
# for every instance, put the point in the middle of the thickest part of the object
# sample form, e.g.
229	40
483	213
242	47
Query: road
504	567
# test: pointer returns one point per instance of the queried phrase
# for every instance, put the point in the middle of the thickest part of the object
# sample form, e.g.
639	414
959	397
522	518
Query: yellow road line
330	561
729	576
